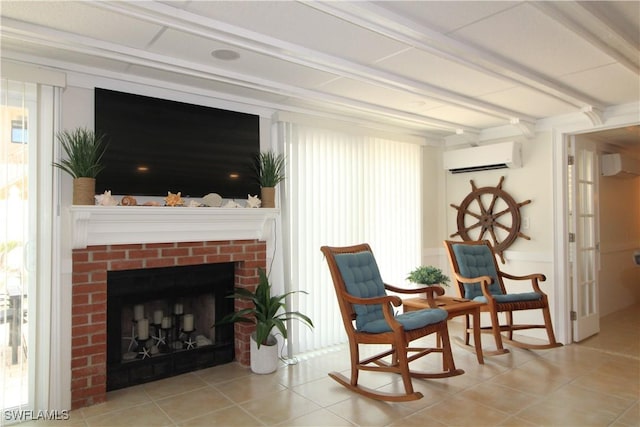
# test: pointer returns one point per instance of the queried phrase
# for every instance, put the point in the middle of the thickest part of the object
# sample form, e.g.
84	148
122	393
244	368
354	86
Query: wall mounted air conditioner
620	165
485	157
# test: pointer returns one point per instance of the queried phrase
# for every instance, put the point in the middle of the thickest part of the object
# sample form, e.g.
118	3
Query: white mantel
115	225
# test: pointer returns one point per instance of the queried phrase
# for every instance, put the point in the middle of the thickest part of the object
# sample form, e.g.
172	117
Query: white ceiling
434	68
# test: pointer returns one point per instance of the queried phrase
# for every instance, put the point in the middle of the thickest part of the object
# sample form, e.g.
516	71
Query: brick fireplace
90	263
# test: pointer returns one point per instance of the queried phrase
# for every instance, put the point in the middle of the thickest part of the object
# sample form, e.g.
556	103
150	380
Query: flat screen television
157	146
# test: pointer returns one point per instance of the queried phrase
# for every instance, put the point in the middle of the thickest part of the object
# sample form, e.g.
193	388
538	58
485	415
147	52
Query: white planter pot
264	360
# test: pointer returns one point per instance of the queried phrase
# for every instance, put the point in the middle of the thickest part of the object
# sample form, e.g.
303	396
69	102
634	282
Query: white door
584	238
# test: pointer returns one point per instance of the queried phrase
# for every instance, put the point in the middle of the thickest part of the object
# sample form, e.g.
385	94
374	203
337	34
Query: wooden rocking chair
362	298
476	272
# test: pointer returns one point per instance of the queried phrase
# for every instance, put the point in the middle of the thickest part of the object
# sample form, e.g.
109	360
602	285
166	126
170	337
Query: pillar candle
143	329
166	322
157	317
188	322
138	311
178	309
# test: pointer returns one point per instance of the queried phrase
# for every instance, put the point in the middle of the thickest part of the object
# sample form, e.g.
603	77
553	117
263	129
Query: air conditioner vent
485	157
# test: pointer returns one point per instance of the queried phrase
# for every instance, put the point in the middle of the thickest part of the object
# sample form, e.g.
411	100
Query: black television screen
156	146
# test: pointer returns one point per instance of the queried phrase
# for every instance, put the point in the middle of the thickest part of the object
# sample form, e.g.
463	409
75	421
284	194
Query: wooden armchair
363	300
476	272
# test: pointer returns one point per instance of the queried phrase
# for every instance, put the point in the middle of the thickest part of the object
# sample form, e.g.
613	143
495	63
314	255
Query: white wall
619	277
533	181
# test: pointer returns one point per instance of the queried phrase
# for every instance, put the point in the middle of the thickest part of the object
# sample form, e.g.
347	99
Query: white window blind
344	189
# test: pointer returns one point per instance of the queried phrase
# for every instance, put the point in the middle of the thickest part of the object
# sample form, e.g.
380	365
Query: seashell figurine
106	199
253	201
173	199
128	201
151	203
231	204
212	199
193	204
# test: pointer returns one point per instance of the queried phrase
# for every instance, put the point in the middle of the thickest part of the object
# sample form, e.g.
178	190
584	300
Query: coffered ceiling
434	68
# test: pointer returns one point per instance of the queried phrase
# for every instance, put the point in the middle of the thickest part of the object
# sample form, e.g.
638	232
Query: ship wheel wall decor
490	213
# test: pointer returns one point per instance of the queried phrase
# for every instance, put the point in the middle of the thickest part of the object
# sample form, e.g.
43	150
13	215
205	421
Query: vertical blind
344	189
18	118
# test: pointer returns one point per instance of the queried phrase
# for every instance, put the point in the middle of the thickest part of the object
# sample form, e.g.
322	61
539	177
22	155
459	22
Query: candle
157	317
178	309
138	311
188	322
166	322
143	329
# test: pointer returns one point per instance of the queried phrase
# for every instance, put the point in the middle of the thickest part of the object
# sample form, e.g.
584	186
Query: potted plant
83	149
268	312
270	171
428	275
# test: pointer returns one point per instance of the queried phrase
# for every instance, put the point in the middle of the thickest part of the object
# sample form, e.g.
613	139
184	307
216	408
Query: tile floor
596	383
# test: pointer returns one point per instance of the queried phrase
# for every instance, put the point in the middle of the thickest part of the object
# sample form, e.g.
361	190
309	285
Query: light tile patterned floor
596	383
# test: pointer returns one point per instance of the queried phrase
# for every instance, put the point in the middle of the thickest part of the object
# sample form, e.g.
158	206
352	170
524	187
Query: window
344	189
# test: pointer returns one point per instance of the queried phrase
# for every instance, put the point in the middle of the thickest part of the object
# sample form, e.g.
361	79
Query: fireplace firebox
160	321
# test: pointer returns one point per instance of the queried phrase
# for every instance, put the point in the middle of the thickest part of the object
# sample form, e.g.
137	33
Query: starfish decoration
190	343
132	339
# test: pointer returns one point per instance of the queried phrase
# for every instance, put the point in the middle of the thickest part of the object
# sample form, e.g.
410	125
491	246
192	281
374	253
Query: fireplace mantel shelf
114	225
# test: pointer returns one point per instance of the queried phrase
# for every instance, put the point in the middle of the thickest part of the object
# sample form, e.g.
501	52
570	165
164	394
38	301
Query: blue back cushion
362	279
474	261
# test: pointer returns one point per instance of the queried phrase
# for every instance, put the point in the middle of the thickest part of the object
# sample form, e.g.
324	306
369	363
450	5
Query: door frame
620	117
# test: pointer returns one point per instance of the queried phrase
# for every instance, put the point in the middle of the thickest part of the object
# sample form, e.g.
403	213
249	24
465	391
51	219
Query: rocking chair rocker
362	298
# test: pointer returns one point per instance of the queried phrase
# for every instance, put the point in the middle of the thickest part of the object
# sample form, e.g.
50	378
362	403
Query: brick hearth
89	293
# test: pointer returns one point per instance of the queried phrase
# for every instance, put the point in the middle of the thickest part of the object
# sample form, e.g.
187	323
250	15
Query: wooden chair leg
495	327
548	325
448	363
509	315
355	361
403	364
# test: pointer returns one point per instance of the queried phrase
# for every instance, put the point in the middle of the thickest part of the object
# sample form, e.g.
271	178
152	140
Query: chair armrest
485	282
386	299
425	289
534	278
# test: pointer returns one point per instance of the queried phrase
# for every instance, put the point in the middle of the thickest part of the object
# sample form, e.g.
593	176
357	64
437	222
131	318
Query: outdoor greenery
268	312
83	149
428	275
270	168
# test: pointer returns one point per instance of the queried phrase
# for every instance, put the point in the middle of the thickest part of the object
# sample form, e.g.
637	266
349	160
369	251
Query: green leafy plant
428	275
268	312
270	168
83	149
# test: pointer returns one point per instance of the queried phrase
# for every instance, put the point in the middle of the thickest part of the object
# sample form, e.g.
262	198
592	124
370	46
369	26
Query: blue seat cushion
525	296
475	261
410	321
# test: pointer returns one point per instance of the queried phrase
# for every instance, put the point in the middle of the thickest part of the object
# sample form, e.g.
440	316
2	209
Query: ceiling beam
185	21
29	33
584	20
400	28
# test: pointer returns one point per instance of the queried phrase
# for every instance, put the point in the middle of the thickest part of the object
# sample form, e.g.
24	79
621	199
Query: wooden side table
455	307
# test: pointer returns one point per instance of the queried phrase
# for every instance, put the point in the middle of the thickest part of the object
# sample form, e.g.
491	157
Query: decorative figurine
173	199
231	204
194	204
213	200
253	201
129	201
106	199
